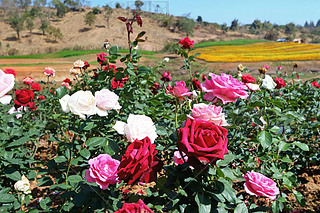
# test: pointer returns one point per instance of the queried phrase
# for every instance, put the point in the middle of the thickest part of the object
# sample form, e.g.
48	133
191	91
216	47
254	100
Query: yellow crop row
269	51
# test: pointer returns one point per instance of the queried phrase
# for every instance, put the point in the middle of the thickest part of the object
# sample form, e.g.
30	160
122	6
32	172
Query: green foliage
44	26
234	25
61	8
118	5
233	42
185	25
29	24
138	4
90	19
54	33
290	29
16	22
96	11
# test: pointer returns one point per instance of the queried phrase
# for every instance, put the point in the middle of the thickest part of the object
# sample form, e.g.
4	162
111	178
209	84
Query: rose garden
130	139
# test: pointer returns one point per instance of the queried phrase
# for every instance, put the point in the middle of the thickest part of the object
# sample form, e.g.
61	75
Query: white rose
78	64
137	127
6	99
166	59
106	100
23	185
268	83
81	103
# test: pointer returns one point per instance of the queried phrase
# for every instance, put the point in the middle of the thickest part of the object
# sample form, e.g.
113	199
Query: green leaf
61	91
19	142
7	198
300	198
114	50
74	178
155	102
140	34
275	207
89	126
96	141
241	208
227	159
302	146
275	129
85	153
13	175
204	203
283	146
60	159
265	138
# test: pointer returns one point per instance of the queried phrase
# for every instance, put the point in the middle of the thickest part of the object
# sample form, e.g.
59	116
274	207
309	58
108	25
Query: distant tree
90	19
185	25
199	19
96	11
266	25
29	24
256	24
224	28
272	35
44	26
234	25
24	4
16	22
306	25
118	5
311	24
318	24
40	3
34	12
290	28
107	13
55	33
138	4
61	8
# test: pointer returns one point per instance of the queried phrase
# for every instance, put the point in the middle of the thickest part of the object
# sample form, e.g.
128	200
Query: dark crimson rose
33	106
111	67
166	77
101	57
86	64
138	207
139	20
186	43
203	142
196	84
204	77
139	162
155	87
41	97
67	80
248	79
35	87
280	82
10	71
115	84
24	97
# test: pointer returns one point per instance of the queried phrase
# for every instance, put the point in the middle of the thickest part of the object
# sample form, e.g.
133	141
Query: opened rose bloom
203	142
268	83
280	82
101	57
28	80
10	71
23	185
248	79
139	164
103	171
81	103
106	100
180	90
259	185
137	127
138	207
36	87
209	113
224	87
24	97
177	159
75	72
186	43
78	64
49	71
6	85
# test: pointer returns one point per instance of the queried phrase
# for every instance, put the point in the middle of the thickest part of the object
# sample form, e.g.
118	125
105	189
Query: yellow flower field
269	51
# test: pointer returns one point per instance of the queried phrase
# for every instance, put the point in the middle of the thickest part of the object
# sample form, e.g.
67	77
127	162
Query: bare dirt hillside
78	35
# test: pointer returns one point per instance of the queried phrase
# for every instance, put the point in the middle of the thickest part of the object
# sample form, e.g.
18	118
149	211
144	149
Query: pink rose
223	87
101	57
49	71
180	90
67	85
28	80
186	43
166	77
6	83
177	159
103	171
138	207
266	66
259	185
280	68
209	113
106	100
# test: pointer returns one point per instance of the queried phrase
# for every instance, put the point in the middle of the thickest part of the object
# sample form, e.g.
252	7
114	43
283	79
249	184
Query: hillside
77	35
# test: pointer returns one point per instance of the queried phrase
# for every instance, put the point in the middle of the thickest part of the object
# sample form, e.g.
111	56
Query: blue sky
224	11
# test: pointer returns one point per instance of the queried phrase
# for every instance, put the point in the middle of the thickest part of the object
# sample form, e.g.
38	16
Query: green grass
233	42
68	54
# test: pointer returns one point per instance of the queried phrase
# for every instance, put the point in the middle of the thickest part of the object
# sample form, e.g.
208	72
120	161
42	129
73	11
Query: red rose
155	87
248	79
24	97
314	83
86	65
10	71
111	67
196	84
41	97
280	82
166	77
67	80
35	87
204	77
101	57
138	207
186	43
139	162
203	142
